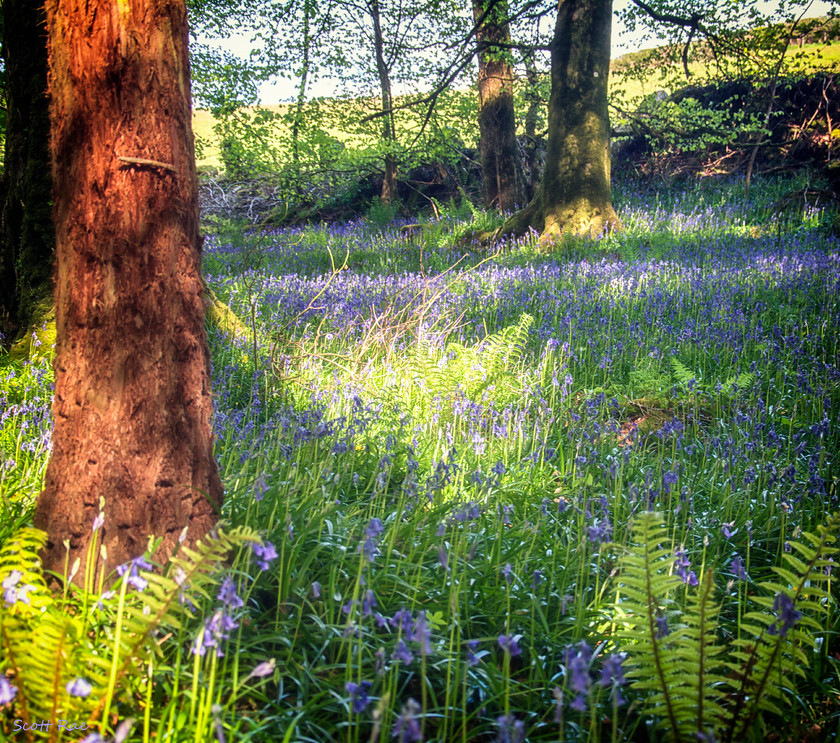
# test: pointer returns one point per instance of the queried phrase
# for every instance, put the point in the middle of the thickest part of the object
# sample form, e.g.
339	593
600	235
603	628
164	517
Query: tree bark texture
502	186
574	196
27	238
132	389
389	135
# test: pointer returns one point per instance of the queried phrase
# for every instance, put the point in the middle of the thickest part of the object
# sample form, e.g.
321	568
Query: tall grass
454	455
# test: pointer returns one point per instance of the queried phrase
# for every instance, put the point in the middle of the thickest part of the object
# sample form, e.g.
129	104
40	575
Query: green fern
769	648
686	376
495	364
740	381
673	670
685	676
45	644
683	374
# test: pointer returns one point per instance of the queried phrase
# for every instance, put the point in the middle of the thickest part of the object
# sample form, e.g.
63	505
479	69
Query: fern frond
769	651
163	604
683	374
654	664
740	381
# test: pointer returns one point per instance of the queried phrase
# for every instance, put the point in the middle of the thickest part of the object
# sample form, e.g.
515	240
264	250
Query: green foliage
48	642
492	369
677	659
691	380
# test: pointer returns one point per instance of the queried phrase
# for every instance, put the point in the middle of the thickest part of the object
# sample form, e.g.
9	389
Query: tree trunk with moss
502	186
574	195
27	238
132	389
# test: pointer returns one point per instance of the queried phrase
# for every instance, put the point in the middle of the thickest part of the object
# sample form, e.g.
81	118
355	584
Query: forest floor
580	495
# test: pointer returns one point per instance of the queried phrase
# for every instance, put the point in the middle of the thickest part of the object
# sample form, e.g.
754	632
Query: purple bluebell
422	633
13	591
506	572
79	687
358	695
510	644
265	553
368	603
402	653
228	596
662	629
403	622
511	730
682	565
260	487
133	568
612	674
783	605
738	569
472	657
7	690
407	727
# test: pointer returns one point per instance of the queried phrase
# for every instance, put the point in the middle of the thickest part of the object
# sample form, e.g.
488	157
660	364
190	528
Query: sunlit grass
448	456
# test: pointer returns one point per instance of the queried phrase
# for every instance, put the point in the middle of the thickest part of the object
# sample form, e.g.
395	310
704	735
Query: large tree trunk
502	186
132	390
27	239
574	195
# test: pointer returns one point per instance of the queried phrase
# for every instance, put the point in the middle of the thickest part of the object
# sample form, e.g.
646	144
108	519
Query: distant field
341	119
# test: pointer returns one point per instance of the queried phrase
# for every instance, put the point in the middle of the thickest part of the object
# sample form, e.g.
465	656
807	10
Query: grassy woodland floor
578	496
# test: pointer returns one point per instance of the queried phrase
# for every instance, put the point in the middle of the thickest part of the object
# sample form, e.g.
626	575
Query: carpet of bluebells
445	447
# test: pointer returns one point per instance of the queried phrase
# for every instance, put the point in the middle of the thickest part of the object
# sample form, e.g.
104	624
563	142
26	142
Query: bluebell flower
506	572
13	591
266	668
260	487
787	615
422	633
662	629
402	653
79	687
368	603
265	553
472	658
511	730
7	690
510	644
681	566
403	621
133	568
216	629
443	558
612	674
407	727
738	569
358	695
228	596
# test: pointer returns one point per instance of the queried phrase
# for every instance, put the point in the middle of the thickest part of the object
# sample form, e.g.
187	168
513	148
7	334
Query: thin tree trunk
27	238
531	165
297	122
389	180
502	185
574	196
132	389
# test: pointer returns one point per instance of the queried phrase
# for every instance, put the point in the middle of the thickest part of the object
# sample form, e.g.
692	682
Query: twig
144	161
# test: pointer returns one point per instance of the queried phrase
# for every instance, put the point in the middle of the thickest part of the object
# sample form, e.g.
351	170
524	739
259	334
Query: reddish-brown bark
132	390
502	184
